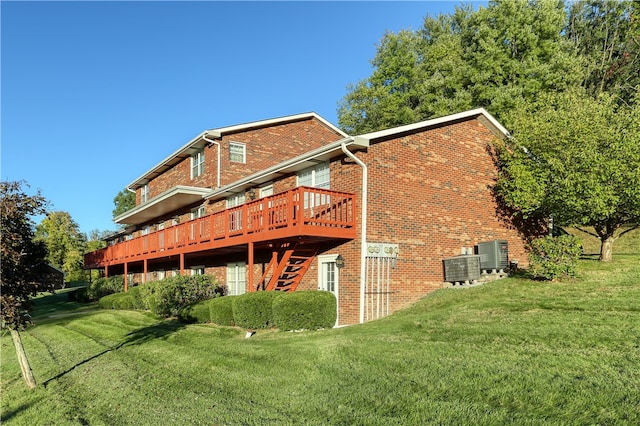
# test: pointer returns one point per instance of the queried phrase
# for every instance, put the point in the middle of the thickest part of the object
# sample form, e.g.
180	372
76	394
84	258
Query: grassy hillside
513	351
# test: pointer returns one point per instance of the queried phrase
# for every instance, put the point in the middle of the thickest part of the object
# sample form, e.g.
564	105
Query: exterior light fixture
252	194
340	262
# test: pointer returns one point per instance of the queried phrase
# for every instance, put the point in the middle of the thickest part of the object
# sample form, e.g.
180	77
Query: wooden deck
301	212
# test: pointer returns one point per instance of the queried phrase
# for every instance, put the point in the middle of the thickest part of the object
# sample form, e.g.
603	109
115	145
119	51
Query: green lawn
513	351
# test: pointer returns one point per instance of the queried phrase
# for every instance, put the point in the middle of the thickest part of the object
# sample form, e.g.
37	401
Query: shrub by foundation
308	310
221	310
167	297
117	301
134	292
198	312
551	258
254	310
104	286
78	295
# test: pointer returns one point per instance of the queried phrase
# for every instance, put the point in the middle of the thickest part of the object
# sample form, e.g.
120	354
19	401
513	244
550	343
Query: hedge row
166	297
309	310
97	289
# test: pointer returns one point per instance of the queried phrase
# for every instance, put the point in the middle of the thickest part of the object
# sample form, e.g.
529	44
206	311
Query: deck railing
300	211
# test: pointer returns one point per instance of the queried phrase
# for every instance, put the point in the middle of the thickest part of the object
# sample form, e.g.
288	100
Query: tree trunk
606	249
22	359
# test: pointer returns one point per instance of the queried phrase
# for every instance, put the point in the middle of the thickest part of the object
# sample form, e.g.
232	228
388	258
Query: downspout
363	236
204	137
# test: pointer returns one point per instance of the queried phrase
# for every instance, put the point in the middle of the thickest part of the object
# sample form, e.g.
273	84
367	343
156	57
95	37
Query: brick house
294	203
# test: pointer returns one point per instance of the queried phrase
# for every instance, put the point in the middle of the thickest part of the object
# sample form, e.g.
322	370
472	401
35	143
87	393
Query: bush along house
293	203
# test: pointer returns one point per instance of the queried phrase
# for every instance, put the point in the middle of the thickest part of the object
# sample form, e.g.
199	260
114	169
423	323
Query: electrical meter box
494	255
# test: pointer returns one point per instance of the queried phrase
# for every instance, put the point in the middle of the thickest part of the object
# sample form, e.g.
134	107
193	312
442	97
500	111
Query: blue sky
94	94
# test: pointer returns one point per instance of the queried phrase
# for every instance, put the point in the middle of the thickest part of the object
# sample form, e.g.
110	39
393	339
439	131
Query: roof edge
478	112
219	132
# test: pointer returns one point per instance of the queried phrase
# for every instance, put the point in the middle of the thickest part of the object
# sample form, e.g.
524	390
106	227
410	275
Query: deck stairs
289	263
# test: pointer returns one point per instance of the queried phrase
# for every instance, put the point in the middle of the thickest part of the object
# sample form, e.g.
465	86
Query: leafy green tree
124	201
65	243
516	51
607	35
494	57
24	267
95	242
575	159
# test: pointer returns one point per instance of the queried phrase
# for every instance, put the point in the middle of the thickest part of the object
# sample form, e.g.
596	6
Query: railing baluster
323	208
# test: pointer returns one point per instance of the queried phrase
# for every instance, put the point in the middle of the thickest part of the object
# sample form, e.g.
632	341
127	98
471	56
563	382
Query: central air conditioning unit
462	268
494	255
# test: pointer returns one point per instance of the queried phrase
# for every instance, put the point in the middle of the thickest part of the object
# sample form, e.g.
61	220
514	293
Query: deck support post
126	276
181	263
144	271
106	271
251	286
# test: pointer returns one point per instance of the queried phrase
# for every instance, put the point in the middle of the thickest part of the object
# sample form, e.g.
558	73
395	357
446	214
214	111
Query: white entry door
328	277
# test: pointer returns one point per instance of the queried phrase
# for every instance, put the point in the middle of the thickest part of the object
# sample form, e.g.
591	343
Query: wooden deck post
251	283
181	263
126	276
144	273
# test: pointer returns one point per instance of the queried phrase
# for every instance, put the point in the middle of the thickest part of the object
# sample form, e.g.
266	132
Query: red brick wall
429	192
265	147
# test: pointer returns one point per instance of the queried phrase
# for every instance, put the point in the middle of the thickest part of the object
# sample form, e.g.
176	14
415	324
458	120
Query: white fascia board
272	122
435	122
293	164
167	161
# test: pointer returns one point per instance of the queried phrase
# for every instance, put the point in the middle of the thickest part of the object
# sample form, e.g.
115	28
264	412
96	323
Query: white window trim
244	152
198	212
266	191
234	289
197	164
314	172
144	193
236	200
197	270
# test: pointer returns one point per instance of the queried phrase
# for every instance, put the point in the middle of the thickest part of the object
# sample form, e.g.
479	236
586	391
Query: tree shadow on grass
136	337
8	415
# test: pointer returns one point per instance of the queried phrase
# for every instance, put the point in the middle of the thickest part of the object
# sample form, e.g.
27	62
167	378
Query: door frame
322	282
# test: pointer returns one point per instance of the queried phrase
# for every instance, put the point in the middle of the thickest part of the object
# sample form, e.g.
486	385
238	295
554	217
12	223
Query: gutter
363	236
211	141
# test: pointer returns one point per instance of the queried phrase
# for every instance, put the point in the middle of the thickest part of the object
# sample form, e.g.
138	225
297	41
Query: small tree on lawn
576	159
24	268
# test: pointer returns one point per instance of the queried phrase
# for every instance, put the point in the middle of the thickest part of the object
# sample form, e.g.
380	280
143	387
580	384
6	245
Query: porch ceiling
171	200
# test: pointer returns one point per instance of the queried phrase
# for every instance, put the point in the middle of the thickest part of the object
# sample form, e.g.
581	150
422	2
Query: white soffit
165	203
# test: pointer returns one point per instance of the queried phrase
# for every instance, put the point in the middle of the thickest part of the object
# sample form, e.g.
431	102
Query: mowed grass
514	351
